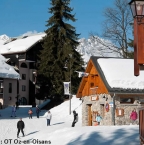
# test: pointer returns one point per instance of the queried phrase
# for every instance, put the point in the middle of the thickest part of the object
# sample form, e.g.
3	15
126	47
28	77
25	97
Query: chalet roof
118	74
20	44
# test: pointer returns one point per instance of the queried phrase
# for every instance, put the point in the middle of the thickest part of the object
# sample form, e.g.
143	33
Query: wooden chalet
114	103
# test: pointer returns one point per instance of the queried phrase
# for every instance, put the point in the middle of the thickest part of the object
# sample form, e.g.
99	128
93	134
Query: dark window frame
24	65
23	76
10	88
124	100
23	88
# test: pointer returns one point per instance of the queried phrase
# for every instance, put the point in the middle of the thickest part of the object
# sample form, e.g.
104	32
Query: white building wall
24	82
6	95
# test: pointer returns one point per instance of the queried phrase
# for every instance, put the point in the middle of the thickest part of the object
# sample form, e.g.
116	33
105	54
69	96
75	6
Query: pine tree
61	41
130	53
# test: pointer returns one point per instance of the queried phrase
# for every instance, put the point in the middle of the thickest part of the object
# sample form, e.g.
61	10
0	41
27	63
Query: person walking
133	116
13	113
17	105
98	118
37	111
48	117
30	112
20	127
75	115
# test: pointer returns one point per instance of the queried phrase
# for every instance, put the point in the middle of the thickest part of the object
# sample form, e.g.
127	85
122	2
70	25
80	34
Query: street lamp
137	9
70	55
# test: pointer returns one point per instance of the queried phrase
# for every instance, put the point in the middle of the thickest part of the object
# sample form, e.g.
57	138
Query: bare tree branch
117	27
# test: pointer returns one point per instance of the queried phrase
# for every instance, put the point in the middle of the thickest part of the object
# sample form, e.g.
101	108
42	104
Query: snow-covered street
60	132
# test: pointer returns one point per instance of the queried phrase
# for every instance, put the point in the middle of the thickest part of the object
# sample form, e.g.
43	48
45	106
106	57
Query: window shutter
119	112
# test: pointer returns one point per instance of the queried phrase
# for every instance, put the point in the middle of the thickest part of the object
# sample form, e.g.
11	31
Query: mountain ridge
87	47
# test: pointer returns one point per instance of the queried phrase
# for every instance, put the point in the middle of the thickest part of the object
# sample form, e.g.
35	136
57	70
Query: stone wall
97	106
110	117
125	119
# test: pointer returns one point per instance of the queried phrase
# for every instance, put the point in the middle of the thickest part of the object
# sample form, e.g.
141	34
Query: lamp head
137	8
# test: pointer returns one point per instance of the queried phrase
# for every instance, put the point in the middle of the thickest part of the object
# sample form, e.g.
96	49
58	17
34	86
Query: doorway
102	110
89	115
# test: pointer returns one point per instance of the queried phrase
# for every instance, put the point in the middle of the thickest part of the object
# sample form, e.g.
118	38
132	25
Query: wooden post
140	42
136	66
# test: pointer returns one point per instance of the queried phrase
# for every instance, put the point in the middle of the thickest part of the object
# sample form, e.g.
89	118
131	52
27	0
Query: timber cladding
113	104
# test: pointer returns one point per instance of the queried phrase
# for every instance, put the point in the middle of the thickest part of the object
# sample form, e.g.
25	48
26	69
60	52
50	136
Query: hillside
60	132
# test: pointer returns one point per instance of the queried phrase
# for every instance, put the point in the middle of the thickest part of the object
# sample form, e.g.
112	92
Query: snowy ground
60	132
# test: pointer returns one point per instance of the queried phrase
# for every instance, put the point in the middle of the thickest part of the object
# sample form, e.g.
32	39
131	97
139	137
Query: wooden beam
136	66
140	42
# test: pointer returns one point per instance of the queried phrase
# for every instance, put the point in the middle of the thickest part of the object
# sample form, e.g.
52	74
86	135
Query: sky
60	132
21	16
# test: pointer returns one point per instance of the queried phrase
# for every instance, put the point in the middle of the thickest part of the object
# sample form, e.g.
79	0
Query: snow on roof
21	44
119	73
7	71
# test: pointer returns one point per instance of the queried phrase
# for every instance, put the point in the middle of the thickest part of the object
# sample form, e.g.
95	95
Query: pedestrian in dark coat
20	127
17	105
75	118
37	111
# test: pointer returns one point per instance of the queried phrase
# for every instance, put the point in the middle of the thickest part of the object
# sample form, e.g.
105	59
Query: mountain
90	47
3	39
87	47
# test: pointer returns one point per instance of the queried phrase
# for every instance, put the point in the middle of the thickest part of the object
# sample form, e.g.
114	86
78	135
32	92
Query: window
23	88
1	90
24	76
91	85
119	112
10	87
126	100
1	84
23	65
1	87
23	101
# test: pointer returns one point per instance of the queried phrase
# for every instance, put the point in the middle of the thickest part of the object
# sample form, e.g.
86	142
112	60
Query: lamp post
70	55
69	93
137	9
